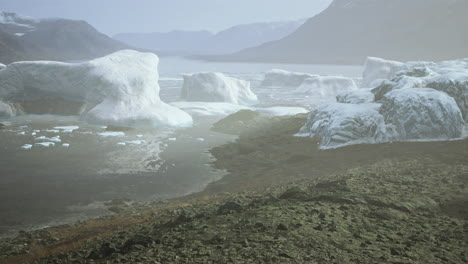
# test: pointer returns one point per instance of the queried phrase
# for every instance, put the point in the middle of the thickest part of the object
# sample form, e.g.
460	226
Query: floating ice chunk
121	144
23	127
172	139
42	138
216	87
281	78
52	131
27	146
6	123
67	129
200	139
36	131
282	111
120	89
46	144
65	145
112	134
33	133
135	142
21	133
209	109
19	34
327	86
139	136
56	139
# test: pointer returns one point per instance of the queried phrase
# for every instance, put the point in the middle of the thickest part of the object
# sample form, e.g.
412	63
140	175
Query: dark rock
104	251
294	193
229	207
282	227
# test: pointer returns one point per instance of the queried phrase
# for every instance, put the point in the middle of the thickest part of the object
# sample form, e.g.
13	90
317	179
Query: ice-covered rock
282	111
361	96
282	78
120	89
216	87
326	86
422	113
450	77
209	109
340	124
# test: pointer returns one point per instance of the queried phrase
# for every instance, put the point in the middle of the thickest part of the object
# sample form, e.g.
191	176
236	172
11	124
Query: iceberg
216	87
361	96
120	89
340	124
326	86
422	113
282	78
27	146
377	69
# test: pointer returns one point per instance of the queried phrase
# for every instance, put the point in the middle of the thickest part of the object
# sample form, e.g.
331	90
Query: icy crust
120	89
422	113
281	78
450	77
326	86
340	124
216	87
361	96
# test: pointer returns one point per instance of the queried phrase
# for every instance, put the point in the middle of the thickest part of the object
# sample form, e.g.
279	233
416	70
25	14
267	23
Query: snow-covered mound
120	89
422	113
361	96
282	111
450	77
216	87
209	109
345	124
327	86
281	78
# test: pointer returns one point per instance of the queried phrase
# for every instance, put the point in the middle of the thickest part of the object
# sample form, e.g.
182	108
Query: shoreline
264	164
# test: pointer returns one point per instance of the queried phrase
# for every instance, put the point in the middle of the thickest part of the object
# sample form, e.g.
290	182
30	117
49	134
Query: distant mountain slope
350	30
23	38
203	42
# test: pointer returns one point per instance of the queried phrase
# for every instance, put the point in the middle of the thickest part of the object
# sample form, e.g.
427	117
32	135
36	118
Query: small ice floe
19	34
23	127
65	145
21	133
172	139
53	131
67	129
139	136
27	146
132	142
6	123
55	139
42	138
111	134
46	144
200	139
33	133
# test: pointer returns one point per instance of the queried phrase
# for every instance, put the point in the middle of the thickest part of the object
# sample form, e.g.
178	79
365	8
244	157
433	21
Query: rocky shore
284	201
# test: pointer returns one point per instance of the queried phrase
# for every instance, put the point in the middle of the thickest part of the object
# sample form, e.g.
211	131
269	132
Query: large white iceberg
377	68
326	86
340	124
282	78
216	87
422	114
120	89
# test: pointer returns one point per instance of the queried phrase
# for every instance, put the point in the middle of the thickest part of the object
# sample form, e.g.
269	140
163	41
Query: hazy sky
116	16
